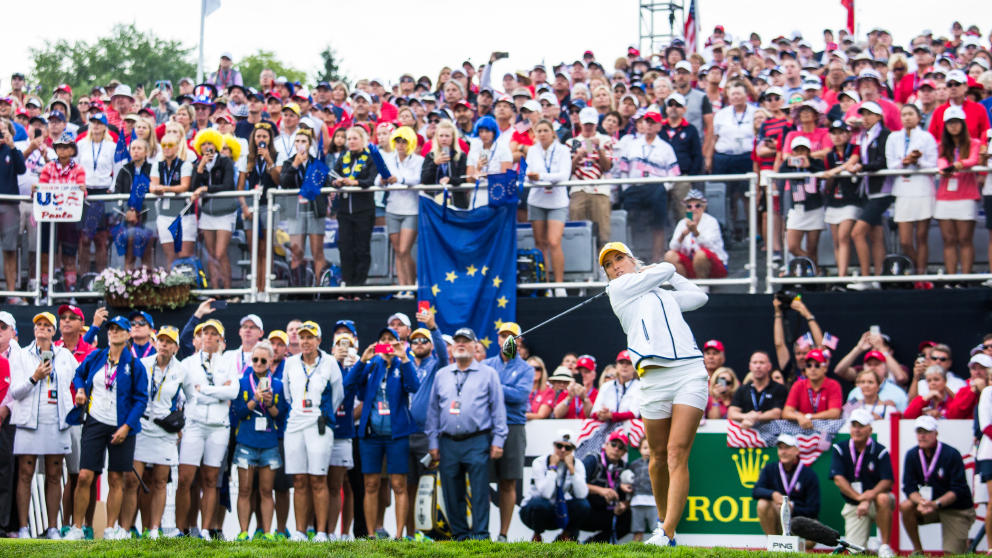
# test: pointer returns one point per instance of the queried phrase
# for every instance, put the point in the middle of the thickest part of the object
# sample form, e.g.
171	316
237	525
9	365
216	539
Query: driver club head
509	348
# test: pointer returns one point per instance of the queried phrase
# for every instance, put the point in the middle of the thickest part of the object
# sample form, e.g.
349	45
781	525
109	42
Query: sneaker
24	533
560	292
217	534
348	537
382	533
419	537
298	536
332	537
110	533
193	532
88	532
133	533
865	286
153	534
885	551
501	538
258	533
74	534
659	538
281	536
243	536
64	530
205	535
311	533
53	534
17	301
320	537
270	537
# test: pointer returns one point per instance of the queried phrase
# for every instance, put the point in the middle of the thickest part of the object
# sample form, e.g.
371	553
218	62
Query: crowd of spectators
738	106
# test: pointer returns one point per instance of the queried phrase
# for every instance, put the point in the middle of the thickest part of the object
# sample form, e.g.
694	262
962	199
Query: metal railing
46	297
772	278
752	267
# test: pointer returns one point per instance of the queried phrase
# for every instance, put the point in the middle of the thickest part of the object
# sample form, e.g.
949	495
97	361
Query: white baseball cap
954	112
684	65
531	105
401	317
926	422
981	359
873	107
787	439
588	115
957	76
677	97
800	141
549	97
253	318
862	417
8	318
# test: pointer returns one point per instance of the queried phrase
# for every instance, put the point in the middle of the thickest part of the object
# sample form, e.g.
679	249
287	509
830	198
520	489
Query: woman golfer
673	378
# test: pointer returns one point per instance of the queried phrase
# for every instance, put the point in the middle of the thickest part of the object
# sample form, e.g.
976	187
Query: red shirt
976	120
539	398
806	400
918	405
964	403
4	377
82	349
575	410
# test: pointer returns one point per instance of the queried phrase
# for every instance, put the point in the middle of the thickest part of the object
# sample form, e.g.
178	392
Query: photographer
723	386
790	365
572	399
385	382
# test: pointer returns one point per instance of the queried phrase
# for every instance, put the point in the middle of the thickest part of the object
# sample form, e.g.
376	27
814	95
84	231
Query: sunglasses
772	97
539	368
939	359
168	145
565	447
617	445
419	341
987	347
259	360
674	104
138	323
814	364
610	377
433	120
694	205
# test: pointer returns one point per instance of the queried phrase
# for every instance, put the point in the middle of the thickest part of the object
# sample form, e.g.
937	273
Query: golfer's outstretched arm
636	284
687	294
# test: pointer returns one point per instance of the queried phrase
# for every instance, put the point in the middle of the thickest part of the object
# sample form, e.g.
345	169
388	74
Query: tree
331	71
128	55
251	68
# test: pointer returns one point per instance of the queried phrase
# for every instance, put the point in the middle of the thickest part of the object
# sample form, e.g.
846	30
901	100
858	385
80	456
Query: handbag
173	422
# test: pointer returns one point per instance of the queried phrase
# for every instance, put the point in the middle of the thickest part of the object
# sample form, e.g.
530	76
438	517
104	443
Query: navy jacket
132	387
344	424
805	495
244	418
948	476
400	383
685	141
11	166
425	373
876	465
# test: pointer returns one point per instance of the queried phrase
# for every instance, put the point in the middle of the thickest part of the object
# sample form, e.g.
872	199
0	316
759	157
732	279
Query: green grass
11	548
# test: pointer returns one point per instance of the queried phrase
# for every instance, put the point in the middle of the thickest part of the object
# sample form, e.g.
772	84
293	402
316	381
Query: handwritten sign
58	202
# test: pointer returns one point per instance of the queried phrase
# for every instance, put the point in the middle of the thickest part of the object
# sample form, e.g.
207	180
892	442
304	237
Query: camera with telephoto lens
785	297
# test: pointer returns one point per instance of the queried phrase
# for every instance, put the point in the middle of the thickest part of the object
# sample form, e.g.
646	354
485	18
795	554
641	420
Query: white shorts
308	452
72	458
956	210
47	439
341	454
156	450
217	222
912	208
203	444
682	383
800	219
189	228
837	215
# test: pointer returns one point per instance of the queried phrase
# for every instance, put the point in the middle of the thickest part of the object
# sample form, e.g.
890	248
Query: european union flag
314	179
176	229
121	152
139	189
380	163
467	267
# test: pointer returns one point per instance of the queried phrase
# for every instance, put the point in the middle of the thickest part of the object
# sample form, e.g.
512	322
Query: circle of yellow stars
471	271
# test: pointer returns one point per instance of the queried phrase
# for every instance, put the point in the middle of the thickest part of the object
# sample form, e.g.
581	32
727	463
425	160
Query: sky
384	38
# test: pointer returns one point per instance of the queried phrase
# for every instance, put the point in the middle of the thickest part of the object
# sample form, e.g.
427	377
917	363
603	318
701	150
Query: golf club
509	348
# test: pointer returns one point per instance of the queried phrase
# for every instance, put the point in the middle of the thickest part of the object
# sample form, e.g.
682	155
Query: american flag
812	443
593	434
691	29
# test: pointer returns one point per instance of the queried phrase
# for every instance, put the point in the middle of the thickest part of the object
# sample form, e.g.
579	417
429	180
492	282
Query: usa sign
58	202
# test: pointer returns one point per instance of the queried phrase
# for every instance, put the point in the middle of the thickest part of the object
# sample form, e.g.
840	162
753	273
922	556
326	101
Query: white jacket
619	398
162	393
652	317
210	401
25	397
545	479
294	385
709	238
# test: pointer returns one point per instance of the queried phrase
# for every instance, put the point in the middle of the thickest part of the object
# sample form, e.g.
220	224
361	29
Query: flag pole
199	62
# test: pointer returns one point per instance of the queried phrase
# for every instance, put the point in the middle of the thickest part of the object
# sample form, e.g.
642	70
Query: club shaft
556	316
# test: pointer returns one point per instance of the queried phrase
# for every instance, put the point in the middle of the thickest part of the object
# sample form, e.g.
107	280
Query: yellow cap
168	331
45	316
310	327
510	327
211	323
421	331
613	247
280	335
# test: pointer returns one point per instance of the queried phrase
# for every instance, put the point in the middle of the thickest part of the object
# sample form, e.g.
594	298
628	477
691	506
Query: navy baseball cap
143	314
121	322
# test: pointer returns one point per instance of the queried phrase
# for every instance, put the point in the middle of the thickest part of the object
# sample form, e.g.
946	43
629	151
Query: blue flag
467	267
176	229
121	152
314	179
380	164
139	189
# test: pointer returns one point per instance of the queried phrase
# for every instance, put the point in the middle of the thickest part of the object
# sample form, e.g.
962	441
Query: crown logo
749	463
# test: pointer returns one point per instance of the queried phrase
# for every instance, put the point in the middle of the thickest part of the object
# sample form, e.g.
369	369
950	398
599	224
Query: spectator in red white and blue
815	396
965	401
714	355
976	115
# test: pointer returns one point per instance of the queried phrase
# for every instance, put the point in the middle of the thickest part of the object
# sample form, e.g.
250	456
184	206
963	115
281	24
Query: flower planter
157	288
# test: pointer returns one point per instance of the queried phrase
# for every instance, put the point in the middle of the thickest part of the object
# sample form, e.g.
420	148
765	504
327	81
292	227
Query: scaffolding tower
658	24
